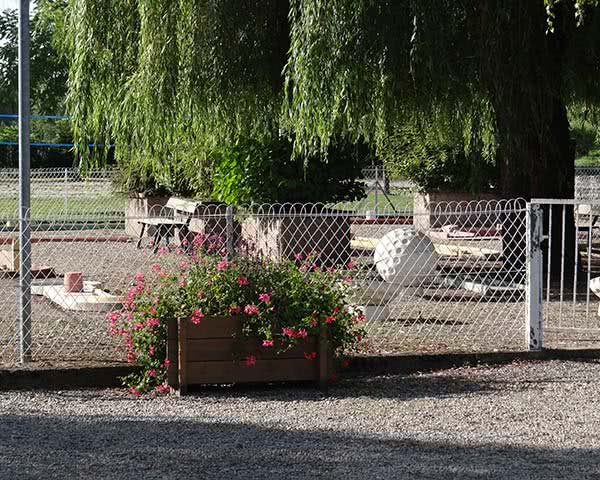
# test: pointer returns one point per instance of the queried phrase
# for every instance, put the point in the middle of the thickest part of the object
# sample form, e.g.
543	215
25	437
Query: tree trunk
535	155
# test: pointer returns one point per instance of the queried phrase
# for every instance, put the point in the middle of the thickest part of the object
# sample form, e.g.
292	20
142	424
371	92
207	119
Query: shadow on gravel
113	447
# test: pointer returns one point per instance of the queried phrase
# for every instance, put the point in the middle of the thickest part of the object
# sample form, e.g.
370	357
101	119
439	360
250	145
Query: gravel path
527	420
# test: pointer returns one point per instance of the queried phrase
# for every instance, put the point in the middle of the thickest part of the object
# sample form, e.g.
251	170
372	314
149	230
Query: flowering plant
282	303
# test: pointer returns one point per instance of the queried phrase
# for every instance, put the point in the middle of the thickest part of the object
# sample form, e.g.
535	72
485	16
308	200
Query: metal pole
24	186
65	190
534	333
229	231
376	190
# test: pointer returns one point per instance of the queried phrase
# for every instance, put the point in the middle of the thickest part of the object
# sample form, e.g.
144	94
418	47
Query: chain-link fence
57	192
587	182
451	282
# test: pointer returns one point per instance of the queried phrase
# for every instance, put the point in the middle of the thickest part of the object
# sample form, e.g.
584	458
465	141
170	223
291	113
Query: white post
376	190
24	186
66	190
535	326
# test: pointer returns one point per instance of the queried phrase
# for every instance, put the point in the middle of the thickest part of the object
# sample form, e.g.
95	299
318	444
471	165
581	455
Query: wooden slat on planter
211	349
215	327
273	370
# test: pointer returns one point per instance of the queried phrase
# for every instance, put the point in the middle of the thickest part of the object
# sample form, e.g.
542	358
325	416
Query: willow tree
167	80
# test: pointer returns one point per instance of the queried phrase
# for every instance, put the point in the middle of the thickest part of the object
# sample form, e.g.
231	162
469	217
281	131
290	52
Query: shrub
280	302
265	172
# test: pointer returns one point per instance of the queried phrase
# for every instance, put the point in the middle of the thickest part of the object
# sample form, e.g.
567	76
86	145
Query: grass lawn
55	207
592	159
401	201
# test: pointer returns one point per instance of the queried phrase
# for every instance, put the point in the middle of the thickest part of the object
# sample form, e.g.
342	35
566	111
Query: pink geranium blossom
250	361
267	343
197	316
242	281
264	297
134	391
302	333
222	265
235	310
310	356
251	309
163	388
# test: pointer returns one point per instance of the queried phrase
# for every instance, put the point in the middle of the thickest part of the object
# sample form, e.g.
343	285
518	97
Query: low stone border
109	376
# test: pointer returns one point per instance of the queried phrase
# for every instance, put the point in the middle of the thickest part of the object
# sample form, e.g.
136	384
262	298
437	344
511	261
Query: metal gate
564	272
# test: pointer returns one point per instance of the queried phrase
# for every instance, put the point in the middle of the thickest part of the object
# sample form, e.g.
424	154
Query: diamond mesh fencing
450	280
587	183
56	192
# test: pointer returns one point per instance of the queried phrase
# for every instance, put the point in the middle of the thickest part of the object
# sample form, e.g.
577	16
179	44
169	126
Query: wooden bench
182	211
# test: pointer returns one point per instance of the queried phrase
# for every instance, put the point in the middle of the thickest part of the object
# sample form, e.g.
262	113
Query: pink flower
167	362
310	356
179	251
151	350
264	297
267	343
350	265
222	265
131	357
235	310
197	316
251	309
250	361
302	333
138	326
162	251
139	277
348	280
242	281
152	322
330	319
163	388
298	256
288	331
313	322
359	317
152	373
135	392
184	264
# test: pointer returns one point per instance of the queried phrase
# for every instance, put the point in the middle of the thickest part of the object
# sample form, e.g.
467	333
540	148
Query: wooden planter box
214	352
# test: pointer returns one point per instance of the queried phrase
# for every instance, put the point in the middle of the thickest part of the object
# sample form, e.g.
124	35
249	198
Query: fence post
66	190
24	186
229	231
376	190
534	232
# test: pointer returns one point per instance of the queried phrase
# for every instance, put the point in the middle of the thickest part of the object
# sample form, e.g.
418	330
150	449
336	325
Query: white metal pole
24	185
534	328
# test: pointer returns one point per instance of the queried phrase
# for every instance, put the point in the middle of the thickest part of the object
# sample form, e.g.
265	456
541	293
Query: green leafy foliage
48	67
266	172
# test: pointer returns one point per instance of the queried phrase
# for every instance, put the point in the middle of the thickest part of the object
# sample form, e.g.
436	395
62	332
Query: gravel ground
524	420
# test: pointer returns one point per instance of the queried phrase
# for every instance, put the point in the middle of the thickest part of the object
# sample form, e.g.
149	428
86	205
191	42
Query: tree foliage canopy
166	80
